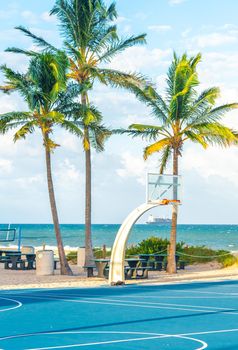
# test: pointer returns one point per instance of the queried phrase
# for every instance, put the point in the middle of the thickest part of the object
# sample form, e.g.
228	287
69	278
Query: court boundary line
19	304
98	297
153	336
121	304
191	308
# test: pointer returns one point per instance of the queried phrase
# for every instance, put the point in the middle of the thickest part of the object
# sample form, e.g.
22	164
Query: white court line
140	296
105	301
19	304
202	292
215	308
212	332
151	337
118	303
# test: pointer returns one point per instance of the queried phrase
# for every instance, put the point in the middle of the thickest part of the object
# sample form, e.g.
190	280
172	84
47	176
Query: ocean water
214	236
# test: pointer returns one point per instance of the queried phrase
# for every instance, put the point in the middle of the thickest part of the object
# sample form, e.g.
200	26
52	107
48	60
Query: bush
151	245
99	253
227	260
72	257
189	254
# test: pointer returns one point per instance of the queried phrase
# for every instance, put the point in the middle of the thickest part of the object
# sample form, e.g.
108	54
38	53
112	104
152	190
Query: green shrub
151	245
99	253
72	257
189	254
227	260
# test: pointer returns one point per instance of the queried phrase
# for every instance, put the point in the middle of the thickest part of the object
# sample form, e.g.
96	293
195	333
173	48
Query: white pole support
117	263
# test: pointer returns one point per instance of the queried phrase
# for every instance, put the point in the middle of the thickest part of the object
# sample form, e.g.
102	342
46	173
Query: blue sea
214	236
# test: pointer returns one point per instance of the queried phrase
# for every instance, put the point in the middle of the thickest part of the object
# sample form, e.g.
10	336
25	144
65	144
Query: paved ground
177	317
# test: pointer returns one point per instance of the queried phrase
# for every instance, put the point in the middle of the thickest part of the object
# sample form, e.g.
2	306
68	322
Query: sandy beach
10	279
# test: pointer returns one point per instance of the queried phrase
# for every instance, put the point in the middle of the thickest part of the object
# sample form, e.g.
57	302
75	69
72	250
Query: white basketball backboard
161	187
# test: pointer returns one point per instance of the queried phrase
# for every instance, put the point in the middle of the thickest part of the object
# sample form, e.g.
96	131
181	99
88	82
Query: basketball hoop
170	201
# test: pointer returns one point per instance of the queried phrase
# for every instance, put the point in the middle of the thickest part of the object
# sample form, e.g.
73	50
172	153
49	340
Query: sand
10	279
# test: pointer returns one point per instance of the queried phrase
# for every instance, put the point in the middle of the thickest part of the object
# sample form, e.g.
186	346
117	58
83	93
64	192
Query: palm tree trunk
88	210
171	267
64	266
89	256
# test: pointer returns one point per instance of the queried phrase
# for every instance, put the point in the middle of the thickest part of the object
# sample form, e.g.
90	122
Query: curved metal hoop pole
116	270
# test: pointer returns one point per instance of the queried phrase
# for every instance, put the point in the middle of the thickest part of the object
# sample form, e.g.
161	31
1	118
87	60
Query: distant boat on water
158	221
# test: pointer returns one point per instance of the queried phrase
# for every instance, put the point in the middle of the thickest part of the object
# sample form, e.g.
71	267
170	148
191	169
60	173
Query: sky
210	178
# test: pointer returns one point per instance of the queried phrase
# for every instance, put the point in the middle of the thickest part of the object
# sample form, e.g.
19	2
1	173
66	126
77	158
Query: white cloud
176	2
70	142
25	182
47	18
132	167
136	58
67	173
220	69
160	28
29	16
142	16
214	161
120	19
214	39
6	166
135	167
186	32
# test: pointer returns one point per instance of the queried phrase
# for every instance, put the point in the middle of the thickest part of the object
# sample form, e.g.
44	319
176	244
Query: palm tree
40	88
90	41
182	115
79	117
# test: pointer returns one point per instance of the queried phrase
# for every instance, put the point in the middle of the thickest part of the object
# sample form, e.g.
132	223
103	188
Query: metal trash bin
45	262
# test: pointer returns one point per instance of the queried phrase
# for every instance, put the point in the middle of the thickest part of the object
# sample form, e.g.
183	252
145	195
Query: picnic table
101	265
4	252
135	264
159	262
14	261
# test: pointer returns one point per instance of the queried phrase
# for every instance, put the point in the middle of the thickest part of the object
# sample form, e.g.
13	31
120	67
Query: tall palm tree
39	87
182	115
79	117
90	41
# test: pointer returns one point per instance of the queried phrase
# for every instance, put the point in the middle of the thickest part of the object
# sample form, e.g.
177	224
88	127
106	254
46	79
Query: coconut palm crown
182	115
40	88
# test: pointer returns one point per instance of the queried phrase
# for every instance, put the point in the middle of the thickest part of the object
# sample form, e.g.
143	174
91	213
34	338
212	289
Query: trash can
81	257
45	262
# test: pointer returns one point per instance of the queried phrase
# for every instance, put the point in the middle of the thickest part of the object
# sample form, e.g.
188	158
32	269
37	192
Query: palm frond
165	158
73	128
156	147
26	129
39	41
119	45
21	51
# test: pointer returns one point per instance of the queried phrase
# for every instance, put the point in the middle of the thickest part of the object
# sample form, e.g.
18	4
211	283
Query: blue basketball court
182	316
